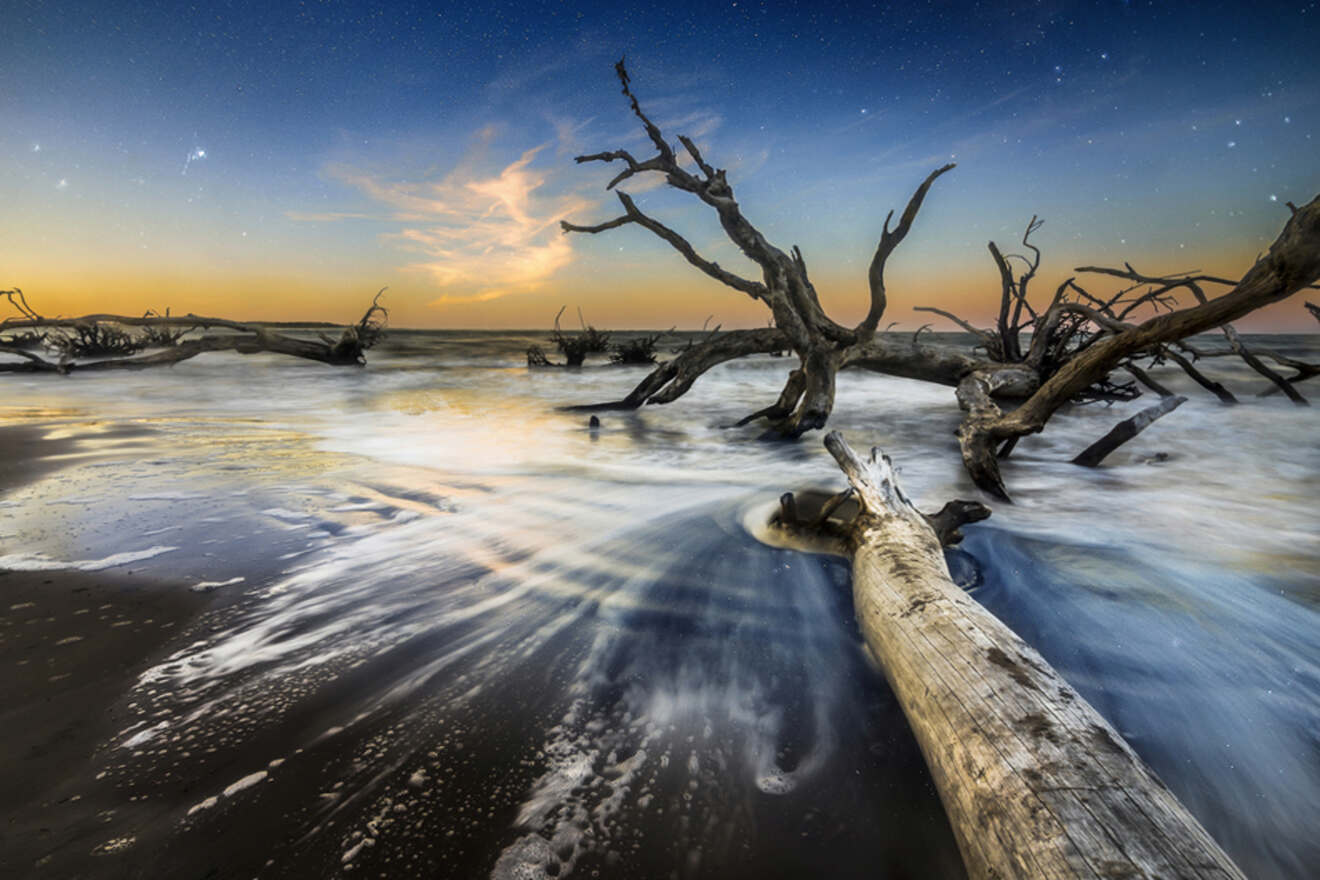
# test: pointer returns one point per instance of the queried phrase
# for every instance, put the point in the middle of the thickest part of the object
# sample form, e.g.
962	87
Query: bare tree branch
984	335
1225	396
248	338
633	214
1006	346
1145	379
889	240
1241	350
688	365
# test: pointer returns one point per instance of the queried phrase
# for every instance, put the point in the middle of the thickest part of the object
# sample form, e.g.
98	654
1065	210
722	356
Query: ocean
445	629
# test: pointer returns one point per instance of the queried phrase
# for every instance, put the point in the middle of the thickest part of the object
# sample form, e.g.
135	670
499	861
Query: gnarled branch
674	377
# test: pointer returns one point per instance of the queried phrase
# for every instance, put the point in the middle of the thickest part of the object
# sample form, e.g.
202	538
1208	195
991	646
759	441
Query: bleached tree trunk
1292	263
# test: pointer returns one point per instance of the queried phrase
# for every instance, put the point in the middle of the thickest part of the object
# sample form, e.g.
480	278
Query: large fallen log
1034	781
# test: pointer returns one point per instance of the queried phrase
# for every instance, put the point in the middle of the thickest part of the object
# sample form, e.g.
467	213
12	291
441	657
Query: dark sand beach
72	646
409	412
26	454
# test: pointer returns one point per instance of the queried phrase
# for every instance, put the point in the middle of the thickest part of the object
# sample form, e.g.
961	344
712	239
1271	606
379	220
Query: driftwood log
1036	784
167	334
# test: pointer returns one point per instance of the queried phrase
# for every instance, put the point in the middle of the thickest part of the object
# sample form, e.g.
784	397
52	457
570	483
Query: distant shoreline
697	332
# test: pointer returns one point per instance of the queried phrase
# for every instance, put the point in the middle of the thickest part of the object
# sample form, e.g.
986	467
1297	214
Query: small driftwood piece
1034	781
1125	430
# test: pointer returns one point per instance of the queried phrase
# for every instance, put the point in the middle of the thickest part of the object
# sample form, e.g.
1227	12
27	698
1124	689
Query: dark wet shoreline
72	645
26	455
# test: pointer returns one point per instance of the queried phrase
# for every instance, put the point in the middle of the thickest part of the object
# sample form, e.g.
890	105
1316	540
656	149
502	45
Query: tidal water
455	632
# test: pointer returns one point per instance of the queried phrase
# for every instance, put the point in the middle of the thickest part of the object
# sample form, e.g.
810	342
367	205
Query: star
197	154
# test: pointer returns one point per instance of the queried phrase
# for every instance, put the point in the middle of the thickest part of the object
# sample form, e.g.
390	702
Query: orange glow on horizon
610	296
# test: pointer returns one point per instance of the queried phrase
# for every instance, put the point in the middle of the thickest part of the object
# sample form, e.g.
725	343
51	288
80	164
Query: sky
284	161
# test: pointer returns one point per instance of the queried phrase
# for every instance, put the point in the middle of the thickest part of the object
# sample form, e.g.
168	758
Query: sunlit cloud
481	236
482	231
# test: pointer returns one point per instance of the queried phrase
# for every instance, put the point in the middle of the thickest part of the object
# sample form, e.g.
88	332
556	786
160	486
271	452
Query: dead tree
636	352
1292	263
576	346
1034	781
1078	327
573	346
822	345
111	339
1077	343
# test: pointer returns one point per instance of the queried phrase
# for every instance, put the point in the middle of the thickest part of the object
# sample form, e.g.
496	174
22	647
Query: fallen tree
1043	358
108	342
1034	781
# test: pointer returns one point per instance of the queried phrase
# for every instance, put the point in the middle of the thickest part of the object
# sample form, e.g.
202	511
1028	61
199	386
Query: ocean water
456	632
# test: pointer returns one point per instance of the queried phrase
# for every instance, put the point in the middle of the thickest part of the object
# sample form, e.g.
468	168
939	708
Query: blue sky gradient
272	160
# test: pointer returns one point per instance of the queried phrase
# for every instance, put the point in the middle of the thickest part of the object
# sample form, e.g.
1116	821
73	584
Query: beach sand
71	646
26	455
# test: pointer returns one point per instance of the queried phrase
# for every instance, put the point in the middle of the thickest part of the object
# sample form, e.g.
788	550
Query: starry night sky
273	160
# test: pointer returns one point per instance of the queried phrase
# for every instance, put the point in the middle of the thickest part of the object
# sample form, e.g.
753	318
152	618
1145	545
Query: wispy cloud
481	235
484	227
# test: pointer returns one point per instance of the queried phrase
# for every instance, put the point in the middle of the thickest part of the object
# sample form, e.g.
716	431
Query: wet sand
296	782
452	635
71	646
26	456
